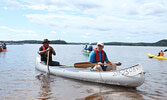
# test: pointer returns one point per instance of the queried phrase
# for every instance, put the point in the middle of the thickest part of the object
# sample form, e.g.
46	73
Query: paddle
48	63
151	56
165	50
85	64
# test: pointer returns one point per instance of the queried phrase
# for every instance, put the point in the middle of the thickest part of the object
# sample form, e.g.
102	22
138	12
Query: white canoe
129	77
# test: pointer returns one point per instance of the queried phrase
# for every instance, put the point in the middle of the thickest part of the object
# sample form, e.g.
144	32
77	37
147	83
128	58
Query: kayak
86	52
129	77
156	57
3	50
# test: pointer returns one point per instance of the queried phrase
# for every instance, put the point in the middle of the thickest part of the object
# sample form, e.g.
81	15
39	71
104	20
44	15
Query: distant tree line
34	42
159	43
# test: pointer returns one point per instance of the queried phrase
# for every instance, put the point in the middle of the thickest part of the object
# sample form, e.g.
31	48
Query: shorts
51	63
104	67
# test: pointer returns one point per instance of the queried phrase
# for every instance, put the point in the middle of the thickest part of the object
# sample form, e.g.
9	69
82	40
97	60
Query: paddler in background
43	52
99	56
161	53
86	47
4	45
90	47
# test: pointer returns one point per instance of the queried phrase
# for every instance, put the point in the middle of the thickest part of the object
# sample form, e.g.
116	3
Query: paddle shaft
85	64
48	63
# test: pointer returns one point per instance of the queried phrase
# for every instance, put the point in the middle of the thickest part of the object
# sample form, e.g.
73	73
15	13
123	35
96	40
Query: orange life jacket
97	55
161	54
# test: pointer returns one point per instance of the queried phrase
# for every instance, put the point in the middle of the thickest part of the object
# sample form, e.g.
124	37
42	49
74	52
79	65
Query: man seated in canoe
99	56
43	52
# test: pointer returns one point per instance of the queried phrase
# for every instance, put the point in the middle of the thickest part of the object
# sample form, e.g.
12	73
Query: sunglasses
100	45
46	42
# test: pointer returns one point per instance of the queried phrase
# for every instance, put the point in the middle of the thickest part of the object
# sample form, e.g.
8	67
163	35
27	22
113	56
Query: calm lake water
19	80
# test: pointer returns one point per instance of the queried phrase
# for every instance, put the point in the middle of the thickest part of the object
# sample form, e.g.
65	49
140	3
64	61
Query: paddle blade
84	64
151	57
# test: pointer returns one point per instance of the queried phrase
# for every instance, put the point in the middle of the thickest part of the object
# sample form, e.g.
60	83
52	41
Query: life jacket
97	55
43	47
161	54
45	56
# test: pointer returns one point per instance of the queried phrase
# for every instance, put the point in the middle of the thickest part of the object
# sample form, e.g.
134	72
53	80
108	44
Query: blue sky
84	20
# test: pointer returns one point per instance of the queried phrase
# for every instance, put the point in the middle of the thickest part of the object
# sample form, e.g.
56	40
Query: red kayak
4	50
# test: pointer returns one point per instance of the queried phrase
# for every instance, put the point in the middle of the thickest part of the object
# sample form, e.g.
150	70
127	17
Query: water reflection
2	54
45	90
114	95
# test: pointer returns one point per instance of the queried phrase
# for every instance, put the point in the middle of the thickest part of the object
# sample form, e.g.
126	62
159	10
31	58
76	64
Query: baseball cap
100	43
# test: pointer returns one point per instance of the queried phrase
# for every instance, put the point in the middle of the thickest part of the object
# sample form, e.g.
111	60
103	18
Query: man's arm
111	63
53	51
41	51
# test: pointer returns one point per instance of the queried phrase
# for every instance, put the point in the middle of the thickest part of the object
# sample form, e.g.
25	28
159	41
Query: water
19	80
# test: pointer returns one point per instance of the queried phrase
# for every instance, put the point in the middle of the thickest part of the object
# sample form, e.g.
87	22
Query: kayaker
99	56
43	52
85	48
90	47
161	53
4	45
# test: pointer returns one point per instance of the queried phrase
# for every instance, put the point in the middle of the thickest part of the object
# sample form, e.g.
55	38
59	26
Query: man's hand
49	48
118	63
100	63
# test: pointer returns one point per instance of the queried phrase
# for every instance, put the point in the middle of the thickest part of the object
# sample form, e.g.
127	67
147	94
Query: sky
84	20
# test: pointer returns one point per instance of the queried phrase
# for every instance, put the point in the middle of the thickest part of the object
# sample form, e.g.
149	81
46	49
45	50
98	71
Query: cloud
16	30
127	19
6	8
54	32
86	36
13	3
61	21
13	34
154	9
50	5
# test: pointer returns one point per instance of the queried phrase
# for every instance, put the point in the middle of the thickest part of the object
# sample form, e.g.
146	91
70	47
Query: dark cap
46	41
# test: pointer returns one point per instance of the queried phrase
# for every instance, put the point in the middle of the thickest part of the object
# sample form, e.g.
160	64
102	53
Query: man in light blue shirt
99	56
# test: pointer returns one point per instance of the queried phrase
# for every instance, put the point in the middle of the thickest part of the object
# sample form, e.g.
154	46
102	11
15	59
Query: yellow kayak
156	57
